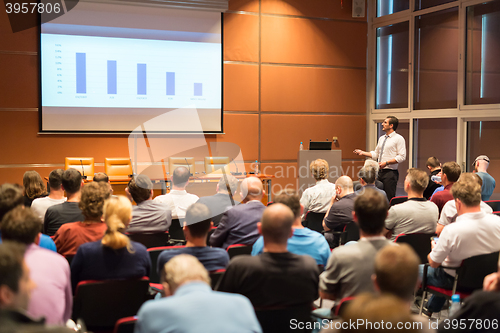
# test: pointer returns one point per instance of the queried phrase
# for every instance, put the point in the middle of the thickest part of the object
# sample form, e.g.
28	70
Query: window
387	7
423	4
434	137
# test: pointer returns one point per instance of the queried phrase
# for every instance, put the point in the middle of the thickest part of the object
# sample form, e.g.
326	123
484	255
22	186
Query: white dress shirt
394	148
178	202
318	197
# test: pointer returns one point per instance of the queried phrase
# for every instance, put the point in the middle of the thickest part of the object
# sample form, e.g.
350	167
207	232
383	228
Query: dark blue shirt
213	258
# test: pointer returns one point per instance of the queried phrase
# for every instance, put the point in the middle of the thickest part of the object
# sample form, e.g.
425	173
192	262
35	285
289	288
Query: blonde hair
319	169
33	185
117	213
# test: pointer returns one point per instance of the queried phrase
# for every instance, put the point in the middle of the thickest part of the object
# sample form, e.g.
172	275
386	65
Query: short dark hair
198	219
433	162
101	177
21	225
71	181
180	176
393	121
291	199
140	188
11	196
368	173
452	171
55	178
371	210
11	264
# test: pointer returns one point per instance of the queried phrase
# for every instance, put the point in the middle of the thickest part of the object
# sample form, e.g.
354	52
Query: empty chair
238	249
421	243
314	221
150	239
83	164
217	164
118	167
174	162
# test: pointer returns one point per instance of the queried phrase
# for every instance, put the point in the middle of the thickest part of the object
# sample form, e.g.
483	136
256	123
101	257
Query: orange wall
288	77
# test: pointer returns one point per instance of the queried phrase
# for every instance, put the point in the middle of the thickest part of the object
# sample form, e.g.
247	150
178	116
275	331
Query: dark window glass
387	7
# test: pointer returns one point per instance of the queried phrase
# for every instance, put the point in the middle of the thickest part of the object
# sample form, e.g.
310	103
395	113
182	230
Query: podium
304	159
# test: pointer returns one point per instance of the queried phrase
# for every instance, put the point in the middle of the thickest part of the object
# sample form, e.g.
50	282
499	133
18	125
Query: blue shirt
45	241
305	242
439	189
213	258
195	308
488	185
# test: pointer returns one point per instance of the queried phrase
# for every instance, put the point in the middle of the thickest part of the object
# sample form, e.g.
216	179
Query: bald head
276	225
344	186
251	189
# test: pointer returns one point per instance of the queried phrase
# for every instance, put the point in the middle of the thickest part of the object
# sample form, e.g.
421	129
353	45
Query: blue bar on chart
111	76
81	73
170	83
141	79
198	89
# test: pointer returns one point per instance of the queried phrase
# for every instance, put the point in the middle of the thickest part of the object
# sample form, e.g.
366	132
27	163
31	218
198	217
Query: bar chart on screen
88	71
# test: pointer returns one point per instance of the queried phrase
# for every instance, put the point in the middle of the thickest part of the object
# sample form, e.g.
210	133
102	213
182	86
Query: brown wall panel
20	41
282	134
311	8
439	49
286	176
241	87
241	37
309	89
19	81
437	90
351	168
244	5
302	41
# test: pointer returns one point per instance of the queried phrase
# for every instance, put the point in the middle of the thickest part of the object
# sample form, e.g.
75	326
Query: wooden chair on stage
83	164
120	167
216	165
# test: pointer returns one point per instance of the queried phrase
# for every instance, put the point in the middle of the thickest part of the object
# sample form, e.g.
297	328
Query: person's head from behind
182	269
55	179
11	196
101	177
432	163
291	199
140	188
92	200
198	221
466	192
117	213
15	282
396	271
343	186
21	225
451	170
251	189
227	184
370	211
319	169
368	174
416	181
33	184
276	225
72	181
481	163
180	176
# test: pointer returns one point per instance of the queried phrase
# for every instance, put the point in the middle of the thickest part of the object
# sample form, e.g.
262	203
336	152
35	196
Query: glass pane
436	60
483	52
404	131
425	133
483	138
392	66
387	7
423	4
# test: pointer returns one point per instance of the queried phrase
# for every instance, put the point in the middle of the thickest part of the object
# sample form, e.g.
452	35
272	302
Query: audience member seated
102	177
451	173
449	213
369	162
434	167
350	267
340	210
115	256
191	305
51	298
473	233
481	165
238	225
34	187
11	196
178	200
56	195
367	176
148	216
70	236
417	215
275	278
304	240
196	228
318	197
222	201
67	211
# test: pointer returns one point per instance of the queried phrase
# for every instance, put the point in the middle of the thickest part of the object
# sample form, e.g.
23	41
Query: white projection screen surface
110	68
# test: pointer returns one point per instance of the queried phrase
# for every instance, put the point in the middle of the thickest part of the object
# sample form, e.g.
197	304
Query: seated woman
70	236
34	187
115	256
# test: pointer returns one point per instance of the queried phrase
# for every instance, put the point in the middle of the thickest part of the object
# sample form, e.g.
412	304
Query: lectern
304	159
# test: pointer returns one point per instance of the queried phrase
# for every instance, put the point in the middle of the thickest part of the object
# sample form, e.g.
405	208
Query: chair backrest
154	253
117	166
238	249
279	320
421	243
474	269
150	239
398	200
494	204
314	221
77	162
174	162
175	231
215	277
497	213
69	258
344	302
125	325
350	233
101	303
216	164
